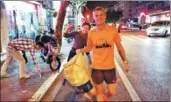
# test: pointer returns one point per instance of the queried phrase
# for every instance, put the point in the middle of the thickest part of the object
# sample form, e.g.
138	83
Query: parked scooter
49	51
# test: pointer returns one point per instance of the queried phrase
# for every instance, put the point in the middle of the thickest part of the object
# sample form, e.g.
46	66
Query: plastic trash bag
76	71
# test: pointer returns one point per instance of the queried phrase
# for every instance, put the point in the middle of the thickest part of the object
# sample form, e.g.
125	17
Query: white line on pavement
127	84
136	37
125	37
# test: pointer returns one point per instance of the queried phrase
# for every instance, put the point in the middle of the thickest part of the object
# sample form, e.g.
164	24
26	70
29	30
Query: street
149	60
144	29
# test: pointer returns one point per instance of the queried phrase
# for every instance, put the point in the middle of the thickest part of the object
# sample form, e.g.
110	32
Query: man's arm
34	60
72	34
33	56
89	45
67	34
119	46
121	51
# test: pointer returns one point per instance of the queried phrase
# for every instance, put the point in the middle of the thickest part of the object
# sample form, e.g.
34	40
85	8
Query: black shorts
109	76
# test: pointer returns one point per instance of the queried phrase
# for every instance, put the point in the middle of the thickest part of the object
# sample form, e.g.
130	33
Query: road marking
143	37
137	38
46	85
127	84
126	37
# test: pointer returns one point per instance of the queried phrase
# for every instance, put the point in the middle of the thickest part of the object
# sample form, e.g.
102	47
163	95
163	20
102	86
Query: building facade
21	21
128	8
151	11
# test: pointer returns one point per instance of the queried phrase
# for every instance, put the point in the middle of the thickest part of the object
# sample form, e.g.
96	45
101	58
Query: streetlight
76	5
88	16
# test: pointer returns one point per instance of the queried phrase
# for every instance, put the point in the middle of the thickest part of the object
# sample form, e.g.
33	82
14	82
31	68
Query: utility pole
76	6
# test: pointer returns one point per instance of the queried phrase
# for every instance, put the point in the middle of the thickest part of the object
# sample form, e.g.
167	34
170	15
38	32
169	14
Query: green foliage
113	16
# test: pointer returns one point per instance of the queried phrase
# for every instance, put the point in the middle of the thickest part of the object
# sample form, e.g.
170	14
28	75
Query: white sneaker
25	76
5	76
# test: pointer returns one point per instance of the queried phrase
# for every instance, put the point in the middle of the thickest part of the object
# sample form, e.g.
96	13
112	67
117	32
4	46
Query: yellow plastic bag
76	71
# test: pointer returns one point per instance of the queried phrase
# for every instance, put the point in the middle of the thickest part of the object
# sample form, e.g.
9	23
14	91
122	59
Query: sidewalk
15	89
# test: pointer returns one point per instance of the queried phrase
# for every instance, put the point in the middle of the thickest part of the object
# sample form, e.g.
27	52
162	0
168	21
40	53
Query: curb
46	85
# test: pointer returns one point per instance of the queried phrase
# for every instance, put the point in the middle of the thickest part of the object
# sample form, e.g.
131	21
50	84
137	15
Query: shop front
22	19
158	16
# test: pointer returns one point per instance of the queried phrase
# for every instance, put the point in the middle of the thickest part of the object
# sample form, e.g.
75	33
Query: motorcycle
53	64
50	45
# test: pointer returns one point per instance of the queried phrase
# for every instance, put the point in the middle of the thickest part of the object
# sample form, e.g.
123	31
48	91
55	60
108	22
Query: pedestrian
13	51
80	39
101	41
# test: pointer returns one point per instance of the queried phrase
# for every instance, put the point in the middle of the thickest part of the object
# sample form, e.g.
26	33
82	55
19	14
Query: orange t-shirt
102	45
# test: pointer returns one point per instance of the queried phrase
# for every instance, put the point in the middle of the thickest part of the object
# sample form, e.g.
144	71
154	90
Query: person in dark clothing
80	40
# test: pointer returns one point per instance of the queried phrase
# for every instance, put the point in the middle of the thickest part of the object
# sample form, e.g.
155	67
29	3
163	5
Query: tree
113	15
77	5
60	21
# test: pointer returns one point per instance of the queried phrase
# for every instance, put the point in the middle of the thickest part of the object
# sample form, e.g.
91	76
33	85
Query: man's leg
98	77
111	90
90	94
5	66
100	92
110	78
22	63
24	55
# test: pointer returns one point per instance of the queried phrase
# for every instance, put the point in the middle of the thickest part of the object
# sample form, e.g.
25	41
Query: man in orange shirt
101	41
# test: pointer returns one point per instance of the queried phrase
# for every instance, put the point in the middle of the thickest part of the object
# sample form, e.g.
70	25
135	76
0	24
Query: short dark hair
40	44
86	23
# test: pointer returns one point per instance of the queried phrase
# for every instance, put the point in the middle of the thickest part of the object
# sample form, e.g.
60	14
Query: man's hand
69	28
126	66
38	68
78	51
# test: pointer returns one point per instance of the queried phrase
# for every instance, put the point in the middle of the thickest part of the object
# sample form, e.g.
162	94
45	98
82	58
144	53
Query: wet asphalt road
149	60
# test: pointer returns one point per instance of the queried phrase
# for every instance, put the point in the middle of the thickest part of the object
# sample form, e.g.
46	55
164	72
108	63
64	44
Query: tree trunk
60	21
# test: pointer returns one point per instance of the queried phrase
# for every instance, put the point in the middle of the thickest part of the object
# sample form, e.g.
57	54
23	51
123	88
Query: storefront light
167	14
142	14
